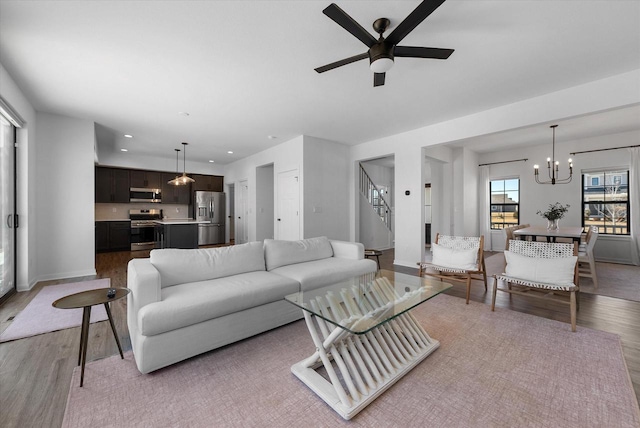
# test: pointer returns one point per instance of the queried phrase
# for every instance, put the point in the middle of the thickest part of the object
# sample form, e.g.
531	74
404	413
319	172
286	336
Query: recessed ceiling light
183	113
124	150
128	136
210	161
230	152
272	137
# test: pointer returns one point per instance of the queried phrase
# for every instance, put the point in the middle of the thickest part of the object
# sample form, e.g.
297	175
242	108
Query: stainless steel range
142	228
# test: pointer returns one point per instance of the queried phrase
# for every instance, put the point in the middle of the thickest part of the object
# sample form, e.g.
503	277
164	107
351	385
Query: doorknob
279	220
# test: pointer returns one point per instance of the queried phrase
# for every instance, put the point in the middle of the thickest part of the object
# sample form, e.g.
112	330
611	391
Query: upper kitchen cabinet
112	185
174	194
211	183
145	179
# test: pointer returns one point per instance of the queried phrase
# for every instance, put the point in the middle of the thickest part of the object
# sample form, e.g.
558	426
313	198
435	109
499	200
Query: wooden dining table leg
113	329
86	316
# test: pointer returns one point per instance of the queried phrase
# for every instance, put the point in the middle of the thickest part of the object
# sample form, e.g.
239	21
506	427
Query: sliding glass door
7	195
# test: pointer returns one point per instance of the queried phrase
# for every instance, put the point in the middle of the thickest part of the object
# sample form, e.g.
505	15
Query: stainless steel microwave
145	195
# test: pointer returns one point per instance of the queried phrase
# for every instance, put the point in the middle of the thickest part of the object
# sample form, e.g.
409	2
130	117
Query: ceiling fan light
381	65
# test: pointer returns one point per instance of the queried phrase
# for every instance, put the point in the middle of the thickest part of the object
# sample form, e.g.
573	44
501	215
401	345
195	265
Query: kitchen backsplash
121	211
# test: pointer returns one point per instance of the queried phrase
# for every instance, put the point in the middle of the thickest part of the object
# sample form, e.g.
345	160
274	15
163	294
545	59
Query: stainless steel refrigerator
210	207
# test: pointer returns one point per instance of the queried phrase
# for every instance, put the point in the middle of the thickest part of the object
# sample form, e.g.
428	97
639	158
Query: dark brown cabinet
210	183
174	194
112	185
113	236
145	179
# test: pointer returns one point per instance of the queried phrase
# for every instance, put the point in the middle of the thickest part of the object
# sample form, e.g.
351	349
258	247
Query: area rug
614	280
40	317
493	369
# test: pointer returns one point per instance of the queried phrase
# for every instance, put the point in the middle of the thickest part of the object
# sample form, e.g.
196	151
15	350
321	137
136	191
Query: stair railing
374	196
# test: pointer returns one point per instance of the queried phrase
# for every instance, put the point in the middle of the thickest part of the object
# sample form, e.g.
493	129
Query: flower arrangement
555	212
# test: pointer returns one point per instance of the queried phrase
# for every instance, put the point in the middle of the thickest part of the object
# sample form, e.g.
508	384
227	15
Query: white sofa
186	302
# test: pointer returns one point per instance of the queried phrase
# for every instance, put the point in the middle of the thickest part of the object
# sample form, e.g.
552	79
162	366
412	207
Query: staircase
374	196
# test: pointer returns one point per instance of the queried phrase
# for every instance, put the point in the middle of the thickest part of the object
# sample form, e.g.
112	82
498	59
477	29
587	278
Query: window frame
612	172
493	206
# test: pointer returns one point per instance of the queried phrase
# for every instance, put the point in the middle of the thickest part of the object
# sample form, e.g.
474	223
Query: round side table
373	253
85	300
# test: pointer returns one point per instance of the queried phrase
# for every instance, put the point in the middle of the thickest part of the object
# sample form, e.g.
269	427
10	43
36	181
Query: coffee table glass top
362	303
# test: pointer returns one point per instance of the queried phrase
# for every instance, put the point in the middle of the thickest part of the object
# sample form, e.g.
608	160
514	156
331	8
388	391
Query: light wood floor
35	373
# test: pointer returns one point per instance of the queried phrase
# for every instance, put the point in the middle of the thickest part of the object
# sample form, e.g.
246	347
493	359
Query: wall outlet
114	210
177	209
317	209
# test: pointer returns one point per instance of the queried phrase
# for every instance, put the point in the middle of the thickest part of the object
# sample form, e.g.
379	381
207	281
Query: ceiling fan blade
418	15
342	62
348	23
418	52
378	79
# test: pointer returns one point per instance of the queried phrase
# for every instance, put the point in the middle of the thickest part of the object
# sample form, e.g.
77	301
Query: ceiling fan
382	51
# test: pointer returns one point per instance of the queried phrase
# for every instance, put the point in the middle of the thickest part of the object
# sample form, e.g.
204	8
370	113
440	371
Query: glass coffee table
365	336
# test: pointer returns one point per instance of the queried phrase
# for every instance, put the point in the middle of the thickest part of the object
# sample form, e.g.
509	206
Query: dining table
572	232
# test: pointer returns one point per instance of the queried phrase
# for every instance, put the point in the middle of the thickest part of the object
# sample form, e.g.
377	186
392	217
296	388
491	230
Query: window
606	203
505	203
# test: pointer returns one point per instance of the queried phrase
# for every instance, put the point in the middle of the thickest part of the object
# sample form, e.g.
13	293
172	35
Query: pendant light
175	180
553	166
184	178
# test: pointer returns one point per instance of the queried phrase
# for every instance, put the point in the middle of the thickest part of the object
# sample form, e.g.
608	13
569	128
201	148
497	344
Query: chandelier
553	166
183	179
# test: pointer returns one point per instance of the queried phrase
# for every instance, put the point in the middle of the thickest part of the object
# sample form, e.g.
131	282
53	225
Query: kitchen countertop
112	219
180	221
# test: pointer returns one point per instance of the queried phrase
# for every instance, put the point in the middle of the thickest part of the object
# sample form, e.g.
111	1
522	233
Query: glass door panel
7	230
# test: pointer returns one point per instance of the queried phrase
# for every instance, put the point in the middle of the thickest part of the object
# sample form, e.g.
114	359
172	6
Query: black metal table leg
113	329
86	316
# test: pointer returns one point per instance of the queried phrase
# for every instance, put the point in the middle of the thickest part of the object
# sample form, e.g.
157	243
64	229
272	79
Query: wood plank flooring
35	373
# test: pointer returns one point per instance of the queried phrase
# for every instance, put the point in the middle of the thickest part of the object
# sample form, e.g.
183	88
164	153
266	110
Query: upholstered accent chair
457	258
546	270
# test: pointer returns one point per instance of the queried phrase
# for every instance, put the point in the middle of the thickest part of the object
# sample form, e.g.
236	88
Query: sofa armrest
143	279
347	250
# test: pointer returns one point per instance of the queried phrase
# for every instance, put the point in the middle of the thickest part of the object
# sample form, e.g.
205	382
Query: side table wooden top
89	298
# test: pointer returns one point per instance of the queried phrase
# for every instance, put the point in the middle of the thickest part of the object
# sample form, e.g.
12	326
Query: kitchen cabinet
113	236
145	179
210	183
174	194
111	185
176	236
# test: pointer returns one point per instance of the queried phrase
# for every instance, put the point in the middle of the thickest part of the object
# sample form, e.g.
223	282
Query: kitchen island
177	233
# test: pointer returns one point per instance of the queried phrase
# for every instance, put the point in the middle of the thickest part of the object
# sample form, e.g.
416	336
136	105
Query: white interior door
7	228
288	219
242	213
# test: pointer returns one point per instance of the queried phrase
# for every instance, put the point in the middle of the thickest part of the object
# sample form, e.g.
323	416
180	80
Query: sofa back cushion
281	253
178	266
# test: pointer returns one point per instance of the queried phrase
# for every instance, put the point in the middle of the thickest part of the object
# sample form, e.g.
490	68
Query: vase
552	224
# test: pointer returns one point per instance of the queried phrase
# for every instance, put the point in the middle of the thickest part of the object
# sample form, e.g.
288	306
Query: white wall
265	202
65	197
326	201
612	92
534	197
26	178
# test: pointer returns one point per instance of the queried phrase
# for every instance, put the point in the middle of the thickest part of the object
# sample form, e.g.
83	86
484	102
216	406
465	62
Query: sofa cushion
281	253
177	266
186	304
318	273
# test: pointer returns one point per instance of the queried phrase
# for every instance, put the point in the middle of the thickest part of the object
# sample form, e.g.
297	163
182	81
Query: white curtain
634	201
483	206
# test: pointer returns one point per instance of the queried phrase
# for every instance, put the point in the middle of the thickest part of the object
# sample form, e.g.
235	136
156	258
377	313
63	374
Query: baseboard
63	275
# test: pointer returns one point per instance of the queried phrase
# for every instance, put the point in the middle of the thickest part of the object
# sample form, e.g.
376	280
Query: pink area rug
493	369
40	317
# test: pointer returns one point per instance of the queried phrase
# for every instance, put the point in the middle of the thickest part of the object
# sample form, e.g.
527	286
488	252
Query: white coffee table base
360	367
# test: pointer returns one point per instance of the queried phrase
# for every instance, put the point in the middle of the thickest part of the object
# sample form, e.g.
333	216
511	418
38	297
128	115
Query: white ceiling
244	70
